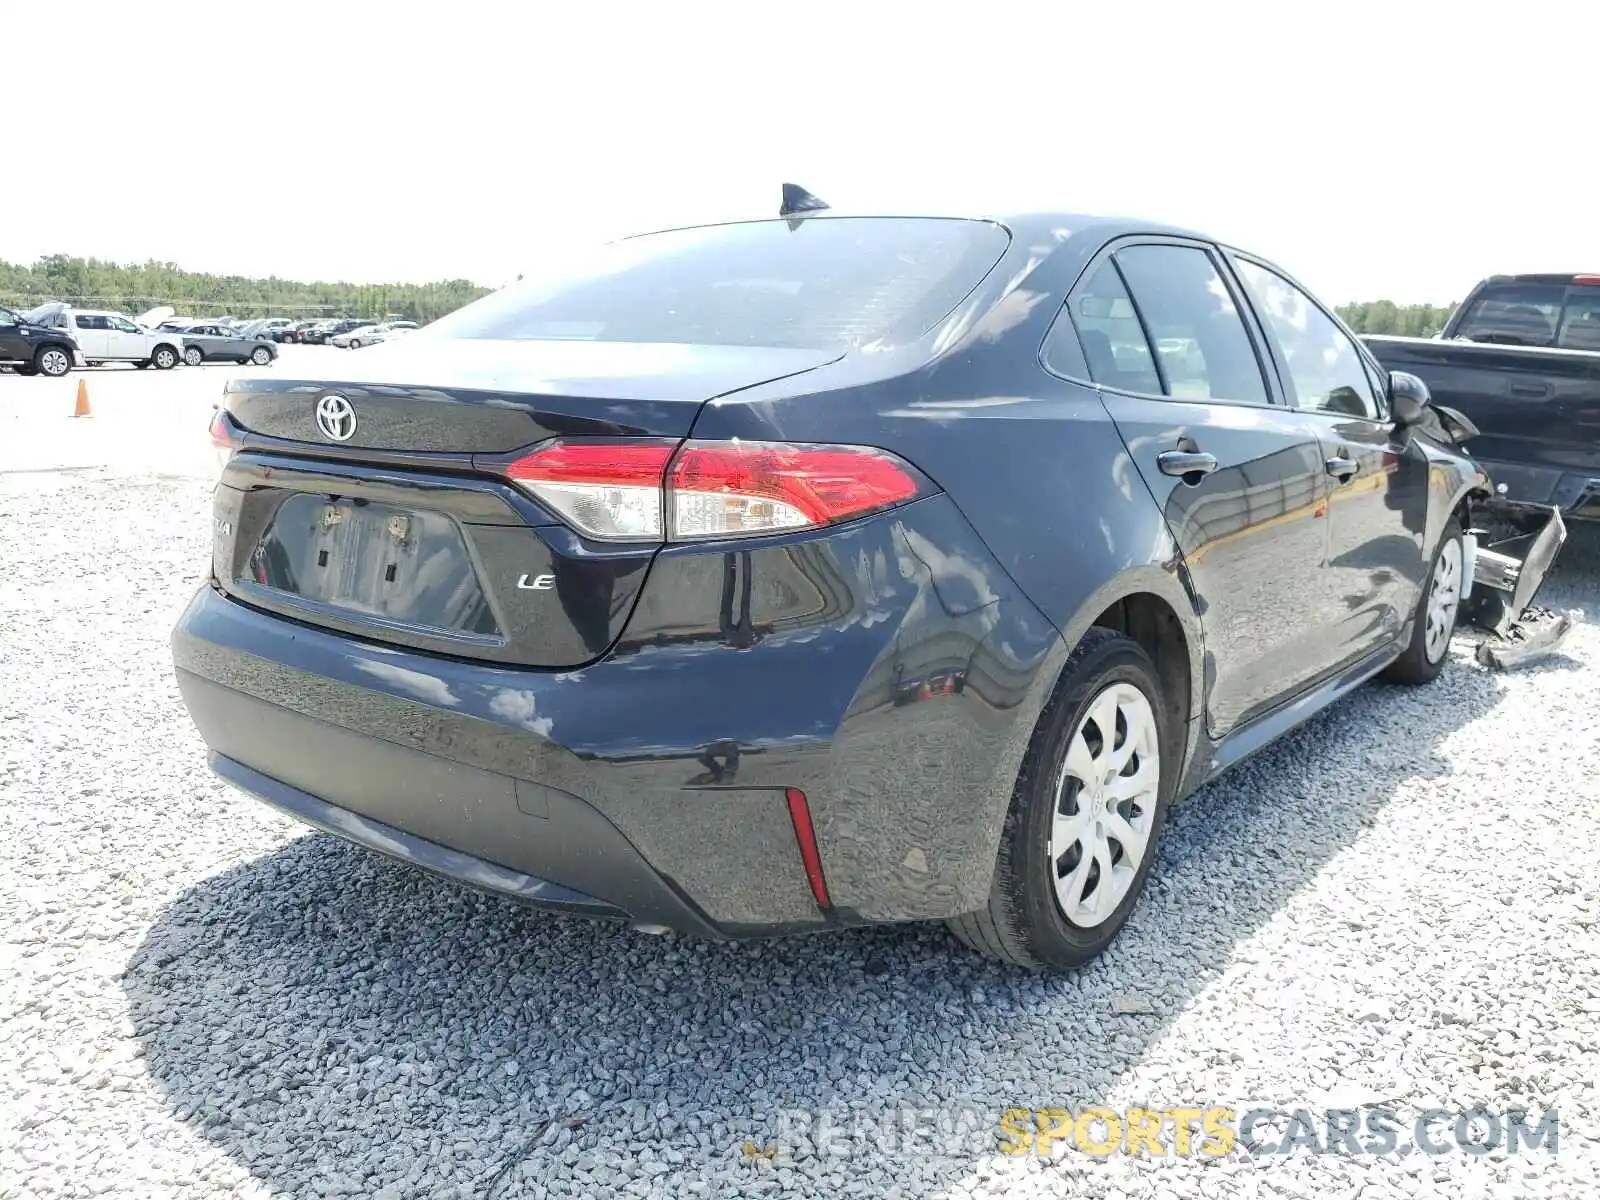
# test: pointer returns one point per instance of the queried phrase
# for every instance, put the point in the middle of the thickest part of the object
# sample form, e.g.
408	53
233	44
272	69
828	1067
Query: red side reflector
1586	280
806	837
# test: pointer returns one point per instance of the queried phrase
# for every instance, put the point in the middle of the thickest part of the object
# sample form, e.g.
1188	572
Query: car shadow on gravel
340	1024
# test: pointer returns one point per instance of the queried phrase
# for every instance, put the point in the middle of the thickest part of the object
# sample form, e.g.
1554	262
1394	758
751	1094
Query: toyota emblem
336	417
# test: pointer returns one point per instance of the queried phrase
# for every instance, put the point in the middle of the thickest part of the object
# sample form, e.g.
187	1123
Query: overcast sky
1399	150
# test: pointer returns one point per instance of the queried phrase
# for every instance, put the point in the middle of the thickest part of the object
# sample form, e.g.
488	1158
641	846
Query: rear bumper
604	856
863	668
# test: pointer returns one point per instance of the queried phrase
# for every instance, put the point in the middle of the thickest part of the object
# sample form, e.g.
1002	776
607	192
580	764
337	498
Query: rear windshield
1535	314
829	282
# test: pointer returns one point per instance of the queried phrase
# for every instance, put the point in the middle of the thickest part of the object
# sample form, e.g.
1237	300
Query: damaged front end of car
1501	578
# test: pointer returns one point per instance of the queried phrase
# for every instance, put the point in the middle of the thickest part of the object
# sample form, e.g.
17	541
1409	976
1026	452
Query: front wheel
52	361
261	356
193	357
164	358
1434	621
1086	816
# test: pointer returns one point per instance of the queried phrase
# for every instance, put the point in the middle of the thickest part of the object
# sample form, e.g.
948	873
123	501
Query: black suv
31	349
784	575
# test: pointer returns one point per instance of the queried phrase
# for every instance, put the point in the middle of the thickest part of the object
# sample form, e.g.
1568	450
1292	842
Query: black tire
52	361
25	369
1415	665
1023	924
261	356
141	365
193	356
163	358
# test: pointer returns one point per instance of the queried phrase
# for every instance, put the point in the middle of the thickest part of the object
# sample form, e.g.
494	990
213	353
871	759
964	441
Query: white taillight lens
607	489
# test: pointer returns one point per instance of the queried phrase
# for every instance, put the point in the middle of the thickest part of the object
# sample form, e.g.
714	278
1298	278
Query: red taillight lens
608	489
1586	280
222	441
624	490
725	489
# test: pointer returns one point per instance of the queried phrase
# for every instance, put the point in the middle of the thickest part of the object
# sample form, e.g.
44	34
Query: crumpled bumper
1504	577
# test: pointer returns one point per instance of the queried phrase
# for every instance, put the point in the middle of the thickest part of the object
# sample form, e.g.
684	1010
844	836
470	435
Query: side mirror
1409	398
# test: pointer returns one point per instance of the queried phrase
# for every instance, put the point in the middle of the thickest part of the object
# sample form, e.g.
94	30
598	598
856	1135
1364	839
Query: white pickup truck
104	336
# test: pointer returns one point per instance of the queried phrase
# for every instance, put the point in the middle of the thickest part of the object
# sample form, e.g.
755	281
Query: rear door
1239	477
93	333
1378	508
125	339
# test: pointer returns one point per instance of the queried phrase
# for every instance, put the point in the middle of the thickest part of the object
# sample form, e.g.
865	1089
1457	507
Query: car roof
1060	225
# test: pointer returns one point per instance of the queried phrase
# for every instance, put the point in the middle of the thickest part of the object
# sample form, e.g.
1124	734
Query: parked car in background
29	348
212	343
295	331
105	336
265	328
1520	358
345	338
371	335
340	326
789	575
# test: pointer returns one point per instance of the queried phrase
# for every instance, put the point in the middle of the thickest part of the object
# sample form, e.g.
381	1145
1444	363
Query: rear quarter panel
1033	462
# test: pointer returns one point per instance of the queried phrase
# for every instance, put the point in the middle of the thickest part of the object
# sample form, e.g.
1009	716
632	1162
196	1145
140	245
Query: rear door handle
1342	469
1530	391
1186	462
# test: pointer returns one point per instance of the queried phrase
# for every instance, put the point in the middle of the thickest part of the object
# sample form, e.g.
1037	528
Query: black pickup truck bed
1521	359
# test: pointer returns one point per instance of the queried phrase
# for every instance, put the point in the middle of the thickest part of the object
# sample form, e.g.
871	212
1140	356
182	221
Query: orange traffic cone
81	409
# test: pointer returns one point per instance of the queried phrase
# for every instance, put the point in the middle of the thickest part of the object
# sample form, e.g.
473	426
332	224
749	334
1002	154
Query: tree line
91	282
1384	316
133	288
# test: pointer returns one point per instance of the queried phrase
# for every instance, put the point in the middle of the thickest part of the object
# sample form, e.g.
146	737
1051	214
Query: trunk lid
431	396
402	532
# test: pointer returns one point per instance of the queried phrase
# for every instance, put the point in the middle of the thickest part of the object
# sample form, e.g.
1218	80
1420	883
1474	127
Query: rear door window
1200	341
819	283
1109	332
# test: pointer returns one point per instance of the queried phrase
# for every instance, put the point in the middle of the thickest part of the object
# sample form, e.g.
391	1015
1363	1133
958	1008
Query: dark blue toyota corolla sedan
784	575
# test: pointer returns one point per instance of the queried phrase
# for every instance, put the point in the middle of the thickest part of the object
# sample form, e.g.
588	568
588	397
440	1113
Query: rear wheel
164	358
1434	621
261	356
193	357
52	361
1086	816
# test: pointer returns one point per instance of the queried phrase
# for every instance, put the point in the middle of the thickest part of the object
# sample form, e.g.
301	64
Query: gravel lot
1396	905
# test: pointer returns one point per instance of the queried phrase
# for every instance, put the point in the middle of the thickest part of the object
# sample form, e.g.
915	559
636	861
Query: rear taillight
1586	280
223	444
641	490
609	490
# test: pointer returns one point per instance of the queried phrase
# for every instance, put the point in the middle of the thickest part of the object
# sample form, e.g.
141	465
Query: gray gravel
1398	904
